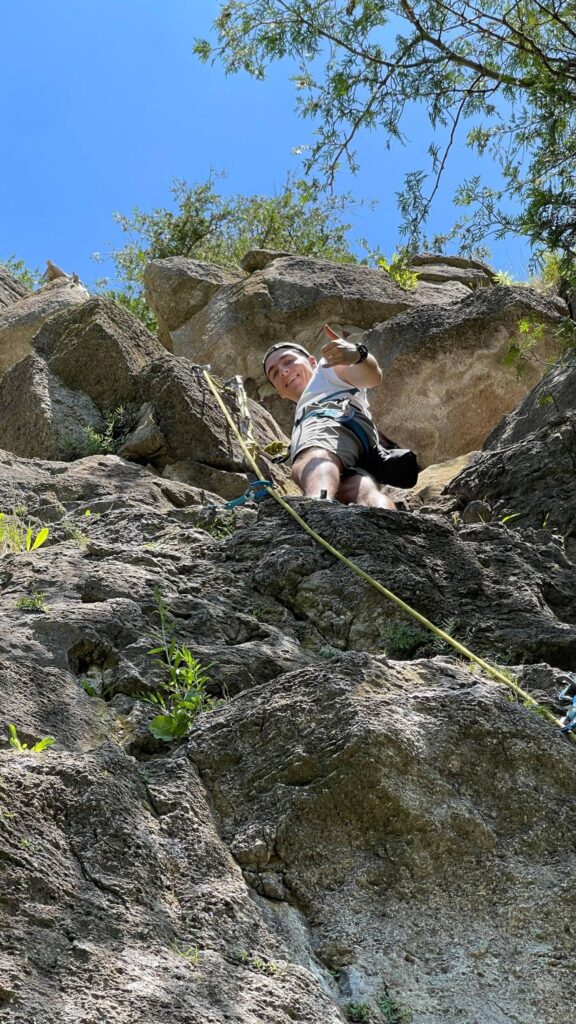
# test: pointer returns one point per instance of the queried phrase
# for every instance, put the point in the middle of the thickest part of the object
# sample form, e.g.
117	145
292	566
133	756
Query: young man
324	452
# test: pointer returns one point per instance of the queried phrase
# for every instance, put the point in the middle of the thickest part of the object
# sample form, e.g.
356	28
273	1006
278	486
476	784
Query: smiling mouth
292	379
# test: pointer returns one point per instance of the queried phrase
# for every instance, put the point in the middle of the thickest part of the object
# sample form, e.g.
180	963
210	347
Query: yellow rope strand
489	669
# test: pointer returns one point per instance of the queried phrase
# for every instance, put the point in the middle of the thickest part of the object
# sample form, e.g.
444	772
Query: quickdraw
257	491
568	696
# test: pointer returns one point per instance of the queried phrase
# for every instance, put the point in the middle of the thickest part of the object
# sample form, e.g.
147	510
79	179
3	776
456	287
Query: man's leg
360	489
316	470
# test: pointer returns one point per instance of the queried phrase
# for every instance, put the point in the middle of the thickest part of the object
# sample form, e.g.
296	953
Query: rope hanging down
490	670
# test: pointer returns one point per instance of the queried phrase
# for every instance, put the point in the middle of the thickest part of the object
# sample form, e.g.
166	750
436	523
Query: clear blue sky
103	103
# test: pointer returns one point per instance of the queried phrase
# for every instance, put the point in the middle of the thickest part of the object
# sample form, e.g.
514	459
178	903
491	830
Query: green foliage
21	748
87	686
399	270
184	695
206	225
257	962
503	279
401	638
504	73
393	1012
106	442
358	1012
19	270
531	334
16	535
189	953
34	602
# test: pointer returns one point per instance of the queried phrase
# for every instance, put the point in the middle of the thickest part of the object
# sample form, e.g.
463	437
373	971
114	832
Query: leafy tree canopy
503	71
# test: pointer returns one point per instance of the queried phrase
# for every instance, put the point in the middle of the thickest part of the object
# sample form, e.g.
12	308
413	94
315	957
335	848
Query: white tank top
326	382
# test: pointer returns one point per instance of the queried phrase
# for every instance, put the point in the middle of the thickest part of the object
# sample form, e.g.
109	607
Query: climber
325	450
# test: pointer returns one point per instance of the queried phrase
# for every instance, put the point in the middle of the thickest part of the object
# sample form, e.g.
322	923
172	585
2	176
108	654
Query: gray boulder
445	386
176	288
21	320
527	469
40	416
441	269
399	809
99	349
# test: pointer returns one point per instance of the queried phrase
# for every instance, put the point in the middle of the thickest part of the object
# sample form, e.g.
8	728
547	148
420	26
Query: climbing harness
396	467
490	670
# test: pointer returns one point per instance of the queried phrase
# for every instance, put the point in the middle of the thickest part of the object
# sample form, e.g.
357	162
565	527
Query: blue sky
104	103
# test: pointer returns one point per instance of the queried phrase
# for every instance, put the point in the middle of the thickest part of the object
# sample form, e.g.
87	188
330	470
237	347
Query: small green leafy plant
184	695
399	269
358	1012
17	535
257	963
17	745
402	638
95	442
34	602
393	1012
189	953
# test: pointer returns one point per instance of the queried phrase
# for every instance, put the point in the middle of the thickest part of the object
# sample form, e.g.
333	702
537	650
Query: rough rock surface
440	269
91	361
98	349
39	415
19	321
326	839
444	384
177	288
528	467
291	297
11	289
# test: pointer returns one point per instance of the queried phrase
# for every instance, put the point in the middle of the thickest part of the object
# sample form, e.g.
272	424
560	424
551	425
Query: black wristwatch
362	353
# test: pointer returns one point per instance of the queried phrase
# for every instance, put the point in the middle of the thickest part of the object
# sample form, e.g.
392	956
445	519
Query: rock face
444	383
528	467
456	316
326	839
20	320
363	828
95	365
177	288
440	269
289	298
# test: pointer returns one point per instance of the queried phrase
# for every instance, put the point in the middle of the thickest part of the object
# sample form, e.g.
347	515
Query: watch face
362	353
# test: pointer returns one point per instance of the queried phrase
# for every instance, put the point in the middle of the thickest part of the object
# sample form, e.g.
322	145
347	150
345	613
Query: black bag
397	467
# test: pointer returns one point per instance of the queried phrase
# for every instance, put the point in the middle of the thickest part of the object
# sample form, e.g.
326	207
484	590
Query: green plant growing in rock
401	638
34	602
257	962
189	953
184	695
21	748
17	535
400	271
95	442
358	1012
393	1012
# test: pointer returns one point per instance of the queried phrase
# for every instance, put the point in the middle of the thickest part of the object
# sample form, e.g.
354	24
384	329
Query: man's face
289	371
